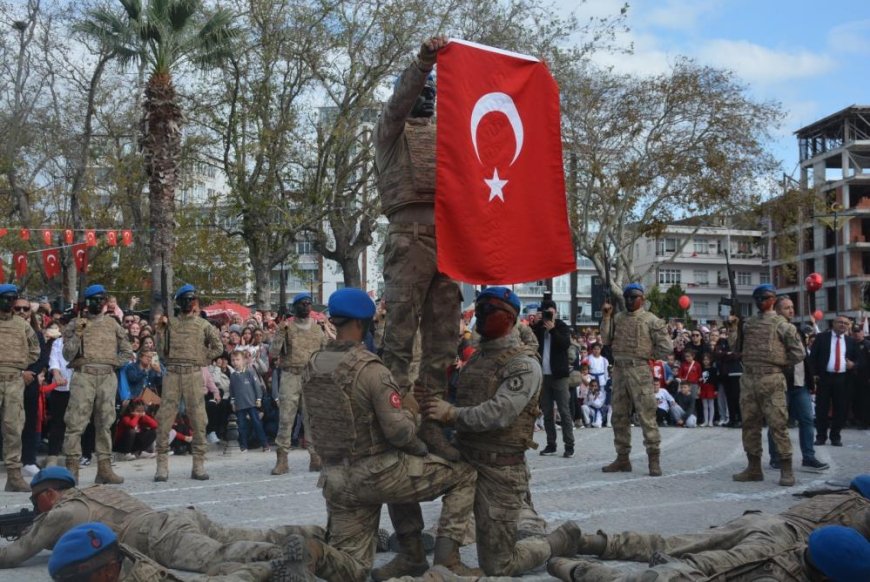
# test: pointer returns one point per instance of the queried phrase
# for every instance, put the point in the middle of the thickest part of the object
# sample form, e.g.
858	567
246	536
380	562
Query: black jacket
560	341
821	351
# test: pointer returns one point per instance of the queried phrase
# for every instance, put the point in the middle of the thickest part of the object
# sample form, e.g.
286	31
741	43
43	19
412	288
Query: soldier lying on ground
183	539
753	540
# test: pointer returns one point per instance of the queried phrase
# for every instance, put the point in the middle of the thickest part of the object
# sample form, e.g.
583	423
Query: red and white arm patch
395	400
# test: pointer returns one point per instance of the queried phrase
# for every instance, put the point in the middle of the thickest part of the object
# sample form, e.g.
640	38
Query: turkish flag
20	262
112	238
3	232
51	263
80	255
2	273
46	237
500	208
127	237
24	234
68	236
91	238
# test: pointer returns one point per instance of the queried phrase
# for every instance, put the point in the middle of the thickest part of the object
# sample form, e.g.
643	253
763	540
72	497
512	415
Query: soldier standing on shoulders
494	416
185	343
635	337
293	345
770	345
19	348
96	346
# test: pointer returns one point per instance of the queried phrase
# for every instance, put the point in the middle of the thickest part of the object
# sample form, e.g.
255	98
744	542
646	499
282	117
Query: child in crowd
136	432
181	436
665	404
594	410
684	410
708	388
582	394
690	374
246	397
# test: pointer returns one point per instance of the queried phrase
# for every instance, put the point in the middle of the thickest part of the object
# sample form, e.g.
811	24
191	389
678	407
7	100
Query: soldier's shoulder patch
516	367
515	383
395	400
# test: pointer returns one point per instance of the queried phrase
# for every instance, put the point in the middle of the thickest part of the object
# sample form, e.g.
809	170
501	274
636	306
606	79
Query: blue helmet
632	287
840	553
8	288
352	303
300	296
94	290
184	289
763	290
53	474
861	484
80	544
502	294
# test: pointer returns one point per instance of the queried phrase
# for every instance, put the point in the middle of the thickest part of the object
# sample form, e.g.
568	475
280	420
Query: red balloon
818	315
684	302
814	282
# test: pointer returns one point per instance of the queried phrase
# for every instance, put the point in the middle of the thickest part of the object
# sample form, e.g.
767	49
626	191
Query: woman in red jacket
136	432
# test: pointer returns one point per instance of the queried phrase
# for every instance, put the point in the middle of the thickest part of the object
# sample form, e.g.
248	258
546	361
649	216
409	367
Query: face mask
633	302
302	309
185	302
425	104
493	321
765	302
7	301
95	304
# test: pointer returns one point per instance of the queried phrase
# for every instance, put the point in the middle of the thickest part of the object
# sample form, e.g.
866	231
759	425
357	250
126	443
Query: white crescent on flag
492	103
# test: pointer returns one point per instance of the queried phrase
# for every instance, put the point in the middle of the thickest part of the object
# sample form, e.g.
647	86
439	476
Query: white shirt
56	362
545	356
834	339
598	369
664	400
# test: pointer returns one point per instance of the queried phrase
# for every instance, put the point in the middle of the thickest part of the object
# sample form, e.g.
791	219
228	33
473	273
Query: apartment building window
702	278
744	278
666	246
304	247
669	276
701	308
764	278
701	247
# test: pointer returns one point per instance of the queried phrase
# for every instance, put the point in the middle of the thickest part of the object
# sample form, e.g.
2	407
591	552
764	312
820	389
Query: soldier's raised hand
607	310
429	50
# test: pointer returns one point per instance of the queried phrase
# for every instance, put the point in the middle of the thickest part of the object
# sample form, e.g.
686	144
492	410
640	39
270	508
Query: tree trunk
351	272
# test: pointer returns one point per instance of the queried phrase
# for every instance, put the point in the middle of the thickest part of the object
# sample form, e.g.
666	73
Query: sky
810	56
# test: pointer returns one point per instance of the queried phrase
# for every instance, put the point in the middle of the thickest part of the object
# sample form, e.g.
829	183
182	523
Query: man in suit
833	354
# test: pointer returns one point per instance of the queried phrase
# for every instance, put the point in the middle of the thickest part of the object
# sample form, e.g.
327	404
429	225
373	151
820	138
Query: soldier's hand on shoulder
440	410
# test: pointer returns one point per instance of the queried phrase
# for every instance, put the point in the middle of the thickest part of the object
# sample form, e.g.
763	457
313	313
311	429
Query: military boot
432	434
447	555
410	561
786	475
293	565
314	464
565	539
198	470
620	465
105	475
561	568
72	465
281	466
752	472
15	482
655	469
162	473
50	461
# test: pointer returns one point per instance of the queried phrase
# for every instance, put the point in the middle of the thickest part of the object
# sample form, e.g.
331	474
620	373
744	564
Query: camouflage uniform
770	345
635	337
186	344
137	567
183	539
95	353
19	348
442	574
293	347
497	404
356	417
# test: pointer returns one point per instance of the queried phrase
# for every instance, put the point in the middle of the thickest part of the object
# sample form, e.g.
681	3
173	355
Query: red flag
3	232
112	238
2	273
68	236
51	263
80	254
20	262
500	208
91	238
127	237
24	234
46	237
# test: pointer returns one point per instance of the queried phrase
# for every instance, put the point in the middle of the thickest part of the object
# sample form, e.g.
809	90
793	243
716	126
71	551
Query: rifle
733	302
13	525
80	315
164	293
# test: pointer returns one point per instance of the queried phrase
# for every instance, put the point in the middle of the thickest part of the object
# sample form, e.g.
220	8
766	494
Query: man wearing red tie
832	355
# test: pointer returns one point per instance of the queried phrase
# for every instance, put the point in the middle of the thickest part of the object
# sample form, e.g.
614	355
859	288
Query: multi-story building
532	292
832	236
694	256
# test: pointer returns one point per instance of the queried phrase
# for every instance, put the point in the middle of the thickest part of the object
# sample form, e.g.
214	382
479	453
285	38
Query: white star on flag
495	186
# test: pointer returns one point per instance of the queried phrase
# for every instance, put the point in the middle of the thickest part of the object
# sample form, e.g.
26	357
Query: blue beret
300	297
53	474
8	288
764	290
840	553
503	294
80	544
861	484
351	302
633	287
95	290
185	289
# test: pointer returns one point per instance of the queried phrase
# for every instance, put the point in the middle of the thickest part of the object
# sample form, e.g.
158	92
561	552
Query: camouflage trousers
90	394
137	567
763	397
499	499
418	297
633	388
189	387
12	402
354	495
289	395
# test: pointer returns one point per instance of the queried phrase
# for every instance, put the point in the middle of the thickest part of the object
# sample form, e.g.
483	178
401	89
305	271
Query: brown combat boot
432	434
162	473
752	472
198	470
49	461
410	561
447	555
314	464
561	568
105	475
621	464
72	465
565	539
655	469
281	466
786	475
15	482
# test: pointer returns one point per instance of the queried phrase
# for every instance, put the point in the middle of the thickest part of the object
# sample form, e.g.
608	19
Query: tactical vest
761	344
109	505
100	343
137	567
187	341
830	508
300	344
631	335
479	382
339	425
410	179
13	342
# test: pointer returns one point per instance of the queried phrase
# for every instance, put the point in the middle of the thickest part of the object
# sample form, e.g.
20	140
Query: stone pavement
696	491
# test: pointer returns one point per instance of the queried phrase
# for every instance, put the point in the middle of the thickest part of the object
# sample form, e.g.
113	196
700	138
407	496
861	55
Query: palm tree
162	35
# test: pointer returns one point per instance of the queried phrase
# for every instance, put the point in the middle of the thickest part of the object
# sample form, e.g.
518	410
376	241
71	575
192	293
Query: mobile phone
548	316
